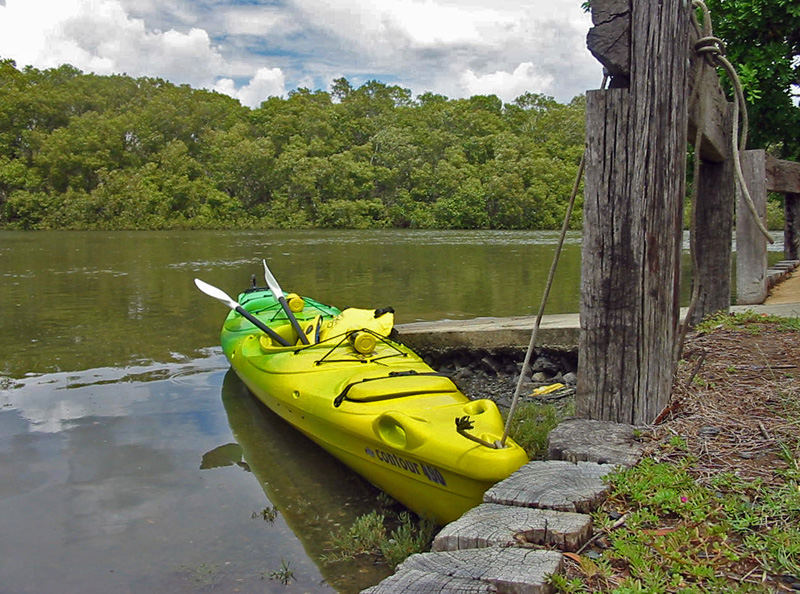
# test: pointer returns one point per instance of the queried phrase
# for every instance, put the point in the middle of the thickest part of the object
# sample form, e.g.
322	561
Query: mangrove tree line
82	151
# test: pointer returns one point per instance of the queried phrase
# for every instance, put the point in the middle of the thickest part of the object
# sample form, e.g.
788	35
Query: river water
132	460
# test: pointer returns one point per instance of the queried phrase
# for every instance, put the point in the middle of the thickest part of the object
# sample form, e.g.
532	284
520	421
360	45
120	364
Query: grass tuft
389	536
748	321
532	424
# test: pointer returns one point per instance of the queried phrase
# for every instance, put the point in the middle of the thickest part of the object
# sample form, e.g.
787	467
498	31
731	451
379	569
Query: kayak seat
395	385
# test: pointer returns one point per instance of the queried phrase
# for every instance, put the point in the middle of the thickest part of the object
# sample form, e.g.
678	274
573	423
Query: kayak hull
385	414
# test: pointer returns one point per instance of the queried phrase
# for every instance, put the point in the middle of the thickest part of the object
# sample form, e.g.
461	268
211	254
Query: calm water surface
131	460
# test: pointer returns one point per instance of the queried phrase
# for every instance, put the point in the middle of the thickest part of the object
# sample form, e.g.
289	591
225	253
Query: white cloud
453	47
254	20
458	47
100	36
267	82
386	24
507	85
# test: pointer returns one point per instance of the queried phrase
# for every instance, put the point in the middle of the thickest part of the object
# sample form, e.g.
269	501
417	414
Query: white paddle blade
216	293
272	282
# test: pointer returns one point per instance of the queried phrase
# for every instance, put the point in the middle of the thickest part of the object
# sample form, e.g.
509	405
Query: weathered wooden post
784	176
713	233
751	245
791	231
635	184
764	173
710	114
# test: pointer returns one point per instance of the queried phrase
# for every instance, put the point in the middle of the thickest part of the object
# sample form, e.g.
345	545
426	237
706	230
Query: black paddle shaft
261	326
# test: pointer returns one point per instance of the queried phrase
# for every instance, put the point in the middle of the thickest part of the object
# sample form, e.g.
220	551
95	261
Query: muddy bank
493	373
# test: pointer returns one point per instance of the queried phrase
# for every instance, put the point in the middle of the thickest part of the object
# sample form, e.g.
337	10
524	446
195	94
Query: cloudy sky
253	49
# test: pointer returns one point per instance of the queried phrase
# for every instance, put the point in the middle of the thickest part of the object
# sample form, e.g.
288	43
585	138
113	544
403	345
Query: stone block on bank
604	442
492	525
476	570
553	484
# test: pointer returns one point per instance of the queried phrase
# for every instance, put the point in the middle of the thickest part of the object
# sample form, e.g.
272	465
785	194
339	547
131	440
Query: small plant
407	539
677	442
284	575
268	514
532	424
369	535
363	537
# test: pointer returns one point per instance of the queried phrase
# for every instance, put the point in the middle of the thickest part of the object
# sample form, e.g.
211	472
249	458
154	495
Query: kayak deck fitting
371	401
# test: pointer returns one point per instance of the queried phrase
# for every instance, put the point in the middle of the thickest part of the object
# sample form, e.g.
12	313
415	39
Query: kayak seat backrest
395	385
354	318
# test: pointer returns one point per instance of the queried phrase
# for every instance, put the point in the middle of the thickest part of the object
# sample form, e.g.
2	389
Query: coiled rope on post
712	49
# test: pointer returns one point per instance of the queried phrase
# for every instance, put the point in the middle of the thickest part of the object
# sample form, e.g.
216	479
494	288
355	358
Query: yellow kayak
371	402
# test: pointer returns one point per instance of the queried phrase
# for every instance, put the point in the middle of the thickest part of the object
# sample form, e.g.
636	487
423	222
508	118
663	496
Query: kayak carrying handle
337	402
464	424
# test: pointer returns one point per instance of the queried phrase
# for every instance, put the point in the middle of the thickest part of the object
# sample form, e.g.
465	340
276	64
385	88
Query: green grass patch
749	321
532	424
682	536
389	536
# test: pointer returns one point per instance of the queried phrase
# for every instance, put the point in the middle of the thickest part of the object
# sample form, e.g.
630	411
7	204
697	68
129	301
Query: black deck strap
337	402
346	335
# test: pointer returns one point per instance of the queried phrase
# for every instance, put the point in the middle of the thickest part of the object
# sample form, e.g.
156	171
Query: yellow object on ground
547	389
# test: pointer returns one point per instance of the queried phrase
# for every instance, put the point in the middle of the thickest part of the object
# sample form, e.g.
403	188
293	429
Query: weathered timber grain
419	582
635	183
609	299
782	176
603	442
503	569
713	229
609	39
751	245
791	230
709	109
553	484
493	525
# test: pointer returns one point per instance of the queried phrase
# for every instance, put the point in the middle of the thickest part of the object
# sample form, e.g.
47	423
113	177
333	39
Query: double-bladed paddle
216	293
273	285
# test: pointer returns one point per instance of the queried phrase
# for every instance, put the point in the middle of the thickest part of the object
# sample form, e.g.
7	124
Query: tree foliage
763	43
84	151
